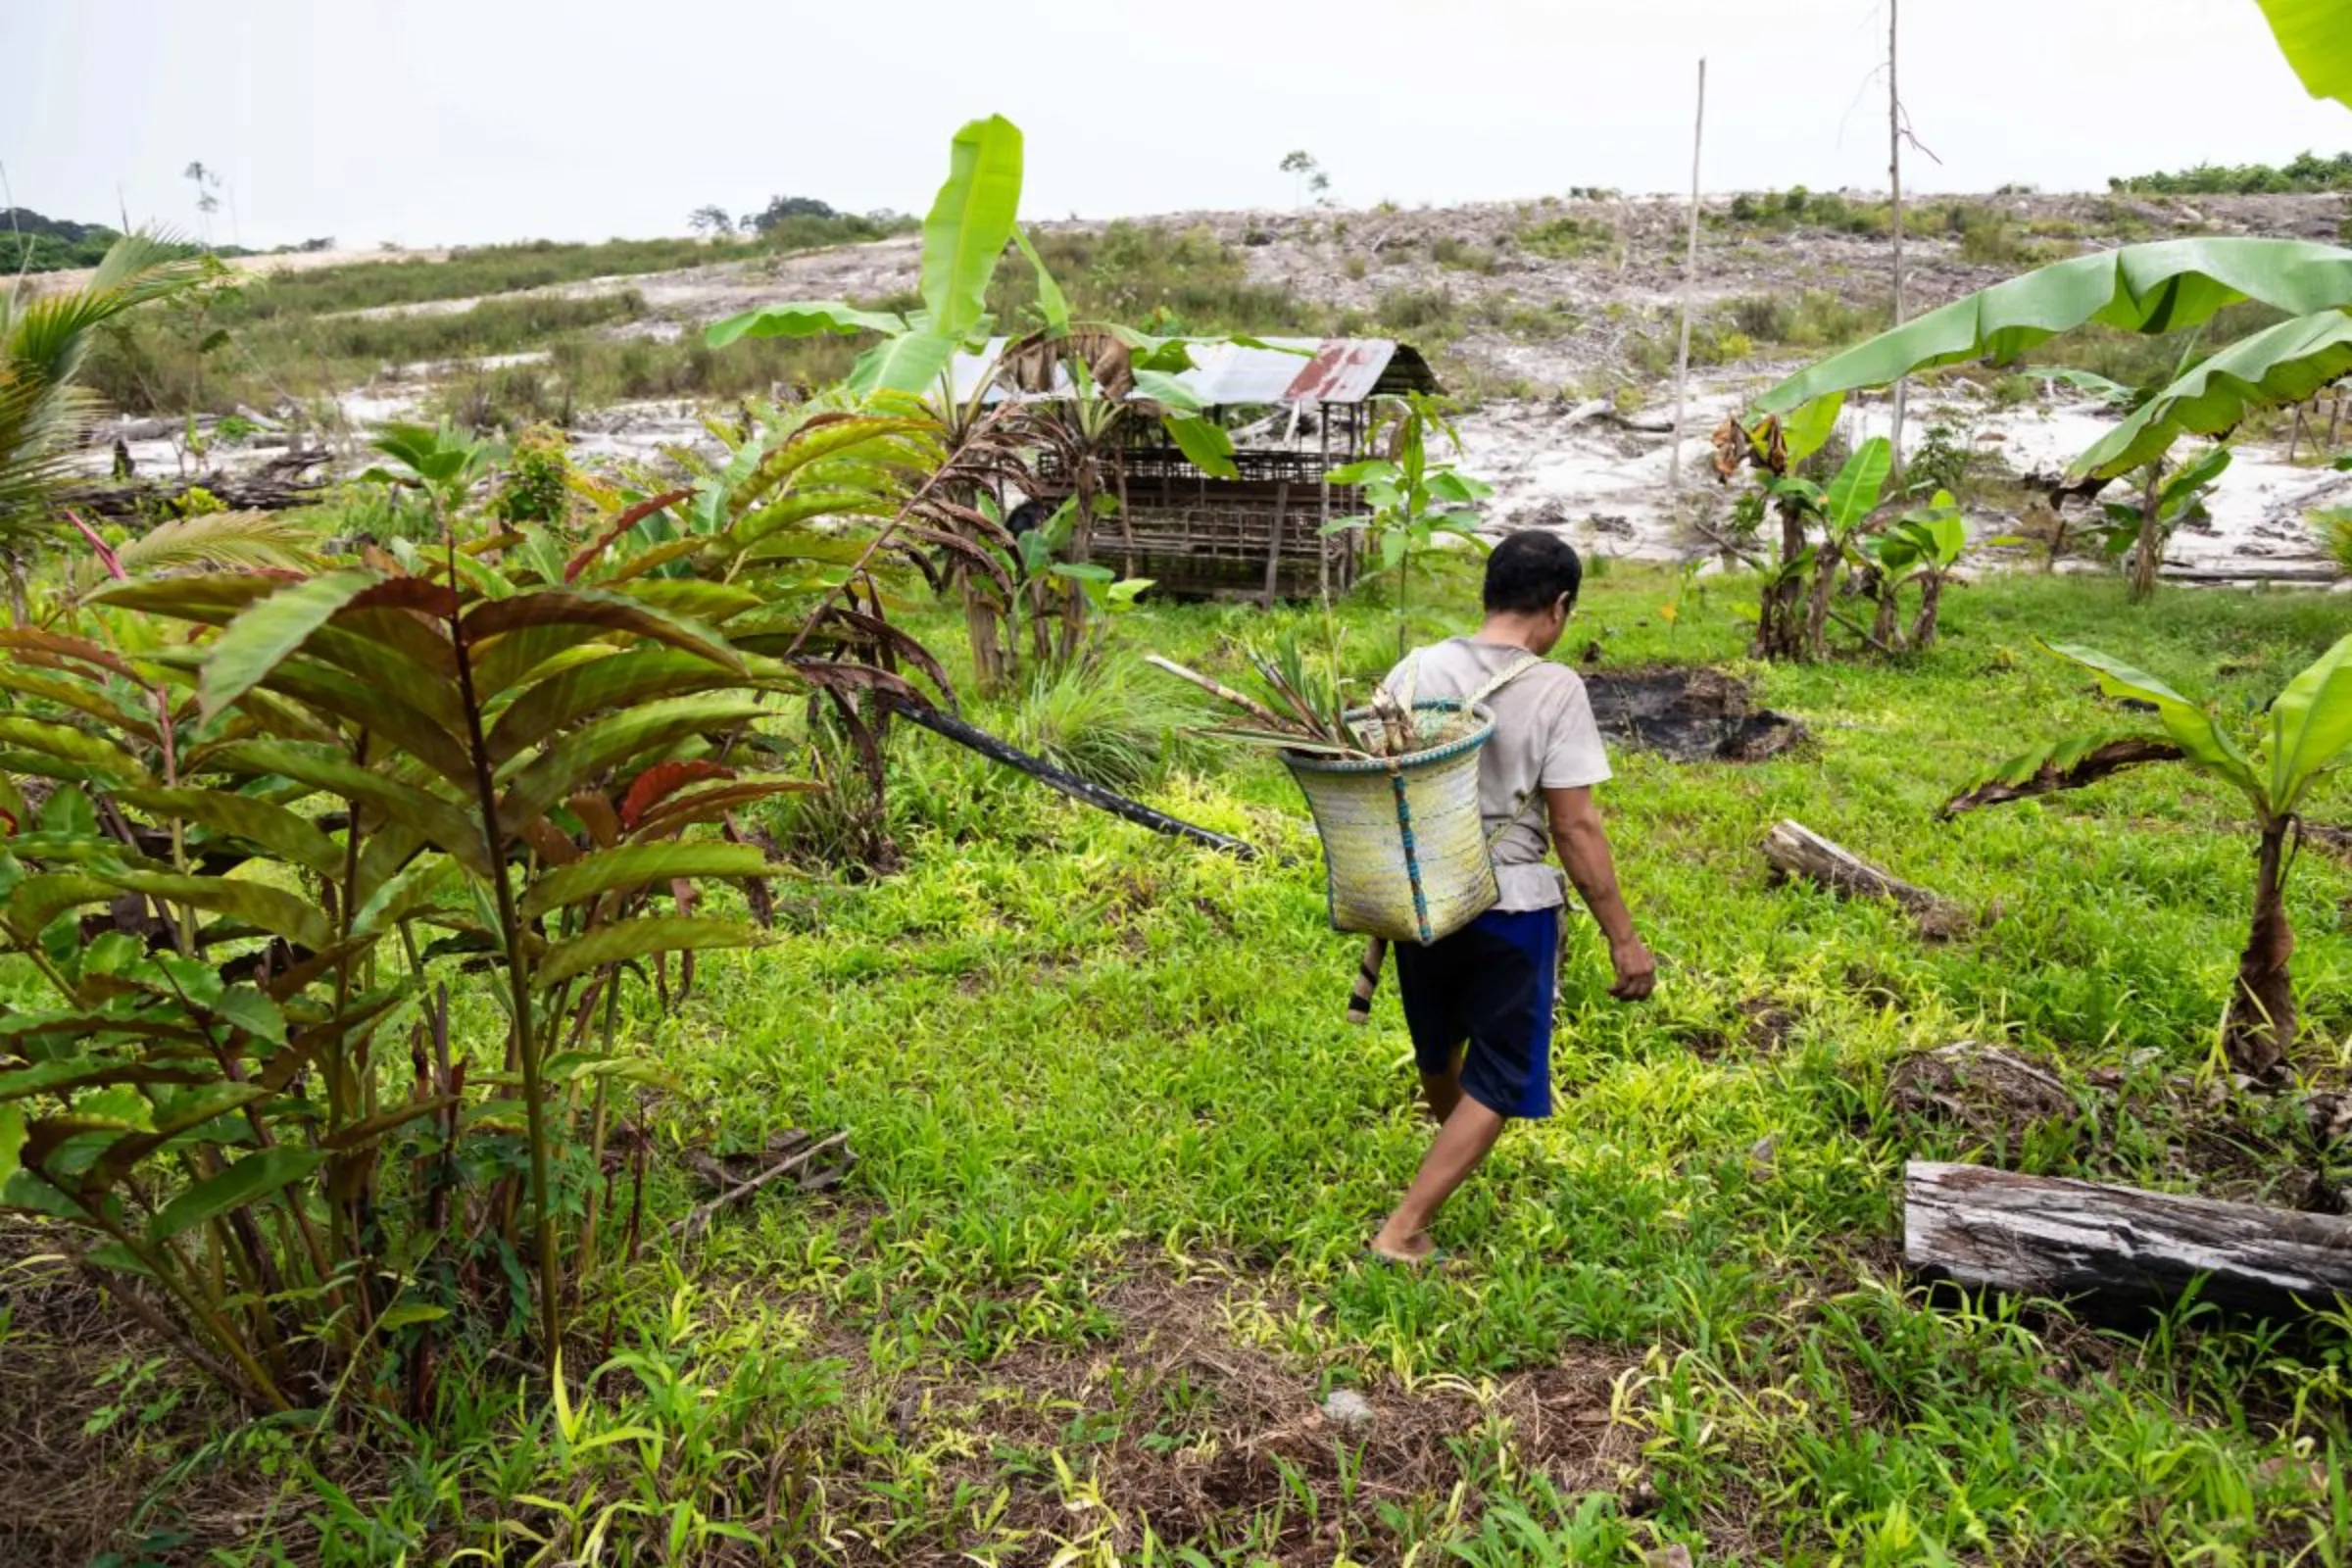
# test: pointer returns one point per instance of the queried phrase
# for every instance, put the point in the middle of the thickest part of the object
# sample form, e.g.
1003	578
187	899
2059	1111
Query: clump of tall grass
2336	529
1107	728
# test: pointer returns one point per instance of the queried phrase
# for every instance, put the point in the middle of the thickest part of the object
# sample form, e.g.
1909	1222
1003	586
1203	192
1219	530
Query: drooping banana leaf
2279	365
911	361
801	319
2162	287
2315	36
2202	739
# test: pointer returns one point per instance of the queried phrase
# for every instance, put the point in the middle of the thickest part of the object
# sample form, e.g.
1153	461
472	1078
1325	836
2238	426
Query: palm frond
37	424
49	333
42	343
229	541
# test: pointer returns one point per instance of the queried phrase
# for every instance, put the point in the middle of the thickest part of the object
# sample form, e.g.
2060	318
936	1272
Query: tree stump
2054	1237
1797	850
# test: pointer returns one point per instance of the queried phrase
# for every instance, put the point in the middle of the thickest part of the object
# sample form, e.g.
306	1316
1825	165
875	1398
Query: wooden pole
1323	503
1281	507
1682	358
1894	182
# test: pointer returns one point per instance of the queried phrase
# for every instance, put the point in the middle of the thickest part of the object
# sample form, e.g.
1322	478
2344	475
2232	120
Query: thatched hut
1302	409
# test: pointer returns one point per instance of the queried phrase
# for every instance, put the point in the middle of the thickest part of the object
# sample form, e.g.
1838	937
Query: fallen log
2053	1236
2336	841
1797	850
276	488
2251	574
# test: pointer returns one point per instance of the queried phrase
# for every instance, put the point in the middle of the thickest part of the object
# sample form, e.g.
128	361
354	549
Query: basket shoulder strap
1534	793
1495	683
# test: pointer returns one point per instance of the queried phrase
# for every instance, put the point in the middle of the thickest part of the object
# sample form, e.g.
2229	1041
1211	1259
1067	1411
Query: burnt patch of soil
1692	716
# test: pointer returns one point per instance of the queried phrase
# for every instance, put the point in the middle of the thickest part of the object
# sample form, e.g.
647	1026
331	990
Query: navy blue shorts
1489	984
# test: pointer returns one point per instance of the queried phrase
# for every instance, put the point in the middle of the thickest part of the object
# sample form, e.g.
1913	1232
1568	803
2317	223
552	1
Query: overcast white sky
440	122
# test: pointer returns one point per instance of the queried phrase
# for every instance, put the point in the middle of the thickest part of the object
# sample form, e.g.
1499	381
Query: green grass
297	335
472	271
1119	1155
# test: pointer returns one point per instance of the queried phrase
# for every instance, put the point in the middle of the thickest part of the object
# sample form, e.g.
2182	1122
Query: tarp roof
1293	371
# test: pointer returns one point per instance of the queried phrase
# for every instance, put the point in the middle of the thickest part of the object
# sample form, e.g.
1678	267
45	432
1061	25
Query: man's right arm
1584	847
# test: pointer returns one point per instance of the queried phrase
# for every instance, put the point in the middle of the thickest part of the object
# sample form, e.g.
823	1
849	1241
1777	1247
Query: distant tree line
32	243
799	222
2307	172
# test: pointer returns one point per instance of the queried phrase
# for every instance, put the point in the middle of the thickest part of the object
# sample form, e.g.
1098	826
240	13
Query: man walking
1479	1003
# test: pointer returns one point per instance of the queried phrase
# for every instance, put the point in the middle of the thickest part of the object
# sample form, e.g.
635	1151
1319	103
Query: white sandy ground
1607	485
1554	460
1602	482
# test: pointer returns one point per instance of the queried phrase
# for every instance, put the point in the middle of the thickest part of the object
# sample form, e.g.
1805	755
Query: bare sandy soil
259	266
1552	339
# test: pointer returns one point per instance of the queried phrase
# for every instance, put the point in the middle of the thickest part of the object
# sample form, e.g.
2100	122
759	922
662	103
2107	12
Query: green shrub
1766	318
536	486
1459	256
2306	171
1411	309
1563	238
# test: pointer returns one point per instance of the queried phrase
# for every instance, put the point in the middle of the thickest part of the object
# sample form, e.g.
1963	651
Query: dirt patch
91	1405
1996	1094
1208	1442
1759	1026
1692	716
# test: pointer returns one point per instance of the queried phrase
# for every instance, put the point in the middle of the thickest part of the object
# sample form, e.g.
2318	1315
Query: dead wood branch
1797	850
692	1225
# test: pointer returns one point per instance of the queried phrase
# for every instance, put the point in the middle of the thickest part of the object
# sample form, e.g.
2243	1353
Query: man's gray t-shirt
1544	739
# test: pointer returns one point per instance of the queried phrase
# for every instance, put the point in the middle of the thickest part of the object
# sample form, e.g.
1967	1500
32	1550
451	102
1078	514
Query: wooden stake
1894	182
1682	358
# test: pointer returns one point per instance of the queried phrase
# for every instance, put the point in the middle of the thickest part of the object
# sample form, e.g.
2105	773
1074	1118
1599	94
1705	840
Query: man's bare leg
1442	1091
1466	1138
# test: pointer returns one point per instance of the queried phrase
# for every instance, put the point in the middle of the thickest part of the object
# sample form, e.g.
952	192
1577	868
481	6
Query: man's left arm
1584	846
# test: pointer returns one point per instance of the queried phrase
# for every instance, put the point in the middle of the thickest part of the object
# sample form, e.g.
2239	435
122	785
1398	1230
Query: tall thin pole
1894	180
1682	358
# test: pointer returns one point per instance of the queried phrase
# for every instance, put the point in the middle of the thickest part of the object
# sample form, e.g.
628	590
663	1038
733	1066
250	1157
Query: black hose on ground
1076	788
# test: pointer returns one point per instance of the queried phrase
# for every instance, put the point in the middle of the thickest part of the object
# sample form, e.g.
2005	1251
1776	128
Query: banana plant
1414	501
241	854
1794	614
2305	735
2142	528
2165	287
1922	546
973	219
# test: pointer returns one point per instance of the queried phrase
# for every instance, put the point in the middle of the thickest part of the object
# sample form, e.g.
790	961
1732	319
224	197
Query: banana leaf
2315	36
2279	365
2162	287
970	223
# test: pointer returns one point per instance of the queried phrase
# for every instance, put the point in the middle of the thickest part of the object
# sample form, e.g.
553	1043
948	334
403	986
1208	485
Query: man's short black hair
1529	571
